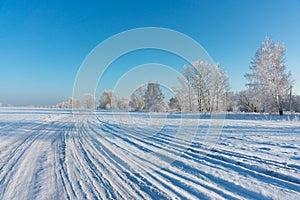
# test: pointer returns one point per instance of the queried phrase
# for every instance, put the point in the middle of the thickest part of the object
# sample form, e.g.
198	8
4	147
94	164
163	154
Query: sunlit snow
51	154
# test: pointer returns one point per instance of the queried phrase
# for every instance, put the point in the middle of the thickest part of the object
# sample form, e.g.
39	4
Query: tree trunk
190	98
199	100
278	102
290	101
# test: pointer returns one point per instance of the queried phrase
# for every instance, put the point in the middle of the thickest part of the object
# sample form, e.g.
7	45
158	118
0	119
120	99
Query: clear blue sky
43	43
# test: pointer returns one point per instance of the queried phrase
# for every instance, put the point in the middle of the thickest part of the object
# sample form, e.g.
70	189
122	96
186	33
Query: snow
57	154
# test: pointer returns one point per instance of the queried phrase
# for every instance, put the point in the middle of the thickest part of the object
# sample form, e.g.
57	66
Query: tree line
205	87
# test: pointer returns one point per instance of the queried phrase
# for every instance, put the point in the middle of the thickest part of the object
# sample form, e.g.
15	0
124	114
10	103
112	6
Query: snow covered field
51	154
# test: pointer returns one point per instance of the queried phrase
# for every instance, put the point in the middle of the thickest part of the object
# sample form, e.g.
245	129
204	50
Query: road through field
50	154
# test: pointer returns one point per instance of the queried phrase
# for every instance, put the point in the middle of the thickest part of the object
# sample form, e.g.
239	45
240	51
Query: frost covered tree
154	98
64	104
296	103
74	103
89	101
174	104
181	96
230	101
137	102
188	74
108	100
246	101
201	84
123	104
221	86
71	103
207	86
184	95
105	100
268	78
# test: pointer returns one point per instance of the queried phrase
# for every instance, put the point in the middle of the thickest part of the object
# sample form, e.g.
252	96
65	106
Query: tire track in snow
21	164
157	168
92	159
175	151
234	166
116	163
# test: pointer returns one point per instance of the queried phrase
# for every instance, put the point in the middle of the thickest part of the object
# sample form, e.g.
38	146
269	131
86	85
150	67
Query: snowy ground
51	154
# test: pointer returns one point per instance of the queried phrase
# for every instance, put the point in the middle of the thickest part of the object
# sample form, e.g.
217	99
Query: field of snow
54	154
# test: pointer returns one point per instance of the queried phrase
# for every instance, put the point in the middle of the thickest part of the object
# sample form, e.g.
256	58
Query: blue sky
43	43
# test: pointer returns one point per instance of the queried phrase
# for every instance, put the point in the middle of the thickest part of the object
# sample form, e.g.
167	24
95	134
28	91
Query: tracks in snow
92	158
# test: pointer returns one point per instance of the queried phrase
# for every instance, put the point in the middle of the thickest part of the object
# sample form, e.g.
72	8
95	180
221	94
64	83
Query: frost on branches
154	98
268	80
205	88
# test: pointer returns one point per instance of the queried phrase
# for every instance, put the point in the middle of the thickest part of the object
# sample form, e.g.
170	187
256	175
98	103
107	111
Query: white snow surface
57	154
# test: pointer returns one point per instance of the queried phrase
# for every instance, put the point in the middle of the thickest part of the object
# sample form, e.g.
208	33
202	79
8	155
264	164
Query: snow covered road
50	154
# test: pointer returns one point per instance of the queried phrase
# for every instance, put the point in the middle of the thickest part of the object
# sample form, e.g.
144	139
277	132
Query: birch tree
268	78
207	86
188	75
